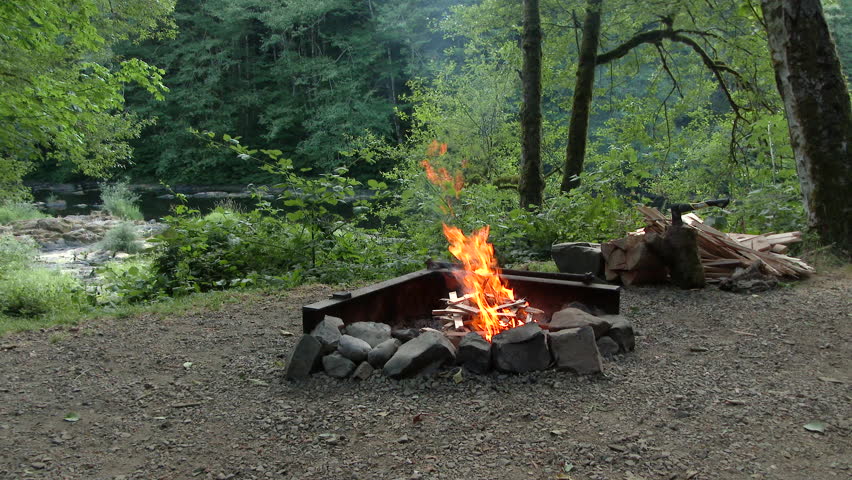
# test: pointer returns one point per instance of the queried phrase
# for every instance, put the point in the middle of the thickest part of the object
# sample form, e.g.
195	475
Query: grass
122	238
13	212
120	202
207	301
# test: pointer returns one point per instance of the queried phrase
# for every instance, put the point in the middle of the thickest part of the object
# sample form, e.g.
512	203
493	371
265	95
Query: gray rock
622	332
607	347
328	333
576	318
578	257
425	353
337	366
575	350
353	348
521	349
363	371
304	358
380	355
371	332
475	353
405	334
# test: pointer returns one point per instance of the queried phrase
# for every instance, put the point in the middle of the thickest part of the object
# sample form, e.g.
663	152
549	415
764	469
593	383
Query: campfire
488	305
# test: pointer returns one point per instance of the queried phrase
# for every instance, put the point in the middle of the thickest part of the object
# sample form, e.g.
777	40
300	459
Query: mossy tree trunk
531	183
578	126
819	115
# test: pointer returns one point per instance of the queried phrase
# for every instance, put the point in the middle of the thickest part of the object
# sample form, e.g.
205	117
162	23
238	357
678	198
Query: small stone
422	355
621	330
380	355
405	334
403	439
371	332
353	348
575	350
576	318
475	353
337	366
38	465
521	349
607	347
304	359
363	371
328	333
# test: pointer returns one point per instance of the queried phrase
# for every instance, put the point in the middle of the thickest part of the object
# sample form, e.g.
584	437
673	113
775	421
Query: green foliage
37	291
126	282
14	211
122	238
120	201
61	91
15	255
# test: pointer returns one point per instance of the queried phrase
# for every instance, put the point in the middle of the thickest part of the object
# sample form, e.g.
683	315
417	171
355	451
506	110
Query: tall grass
11	212
120	202
122	238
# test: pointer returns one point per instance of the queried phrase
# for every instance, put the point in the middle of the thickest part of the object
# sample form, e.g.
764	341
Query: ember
488	301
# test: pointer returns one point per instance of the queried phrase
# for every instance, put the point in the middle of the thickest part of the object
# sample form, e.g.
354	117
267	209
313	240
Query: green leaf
72	417
818	427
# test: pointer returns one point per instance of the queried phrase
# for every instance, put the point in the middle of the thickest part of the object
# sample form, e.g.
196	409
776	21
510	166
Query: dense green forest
346	101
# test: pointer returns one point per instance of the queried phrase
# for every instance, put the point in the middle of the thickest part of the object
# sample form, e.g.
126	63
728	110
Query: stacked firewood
632	260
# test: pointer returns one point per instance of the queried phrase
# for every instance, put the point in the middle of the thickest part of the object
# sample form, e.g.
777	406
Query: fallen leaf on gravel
567	466
734	401
818	427
187	365
383	414
564	476
286	333
458	377
72	417
557	433
418	418
257	381
831	380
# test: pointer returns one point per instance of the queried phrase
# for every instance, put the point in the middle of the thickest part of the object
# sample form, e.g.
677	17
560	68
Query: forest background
342	101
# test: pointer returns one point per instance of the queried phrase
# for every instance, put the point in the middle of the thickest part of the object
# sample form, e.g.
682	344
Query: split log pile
632	259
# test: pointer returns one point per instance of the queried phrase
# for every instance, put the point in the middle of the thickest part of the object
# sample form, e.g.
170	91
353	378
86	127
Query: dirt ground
720	387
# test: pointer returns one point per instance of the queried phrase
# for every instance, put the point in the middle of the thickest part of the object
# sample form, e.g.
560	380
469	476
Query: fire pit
472	314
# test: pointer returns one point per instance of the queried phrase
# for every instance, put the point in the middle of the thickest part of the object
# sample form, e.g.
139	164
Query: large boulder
383	352
475	353
576	318
575	350
353	348
521	349
304	358
328	333
578	257
371	332
423	354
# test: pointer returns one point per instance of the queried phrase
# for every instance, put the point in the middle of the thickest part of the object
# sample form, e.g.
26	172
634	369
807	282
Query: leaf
187	365
72	417
458	377
257	381
818	427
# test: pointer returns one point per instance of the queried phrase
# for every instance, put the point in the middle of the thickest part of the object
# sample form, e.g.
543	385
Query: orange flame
482	279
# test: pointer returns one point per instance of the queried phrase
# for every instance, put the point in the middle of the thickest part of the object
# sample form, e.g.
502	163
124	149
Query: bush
15	255
122	238
31	292
12	212
120	202
128	281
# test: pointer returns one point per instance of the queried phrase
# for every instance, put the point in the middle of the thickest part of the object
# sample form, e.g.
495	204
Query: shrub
15	255
128	281
30	292
12	212
122	238
120	202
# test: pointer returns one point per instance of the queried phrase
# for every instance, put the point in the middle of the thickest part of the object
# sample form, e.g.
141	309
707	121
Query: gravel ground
720	387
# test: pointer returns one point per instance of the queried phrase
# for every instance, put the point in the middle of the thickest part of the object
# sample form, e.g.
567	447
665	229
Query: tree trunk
578	127
531	183
819	115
